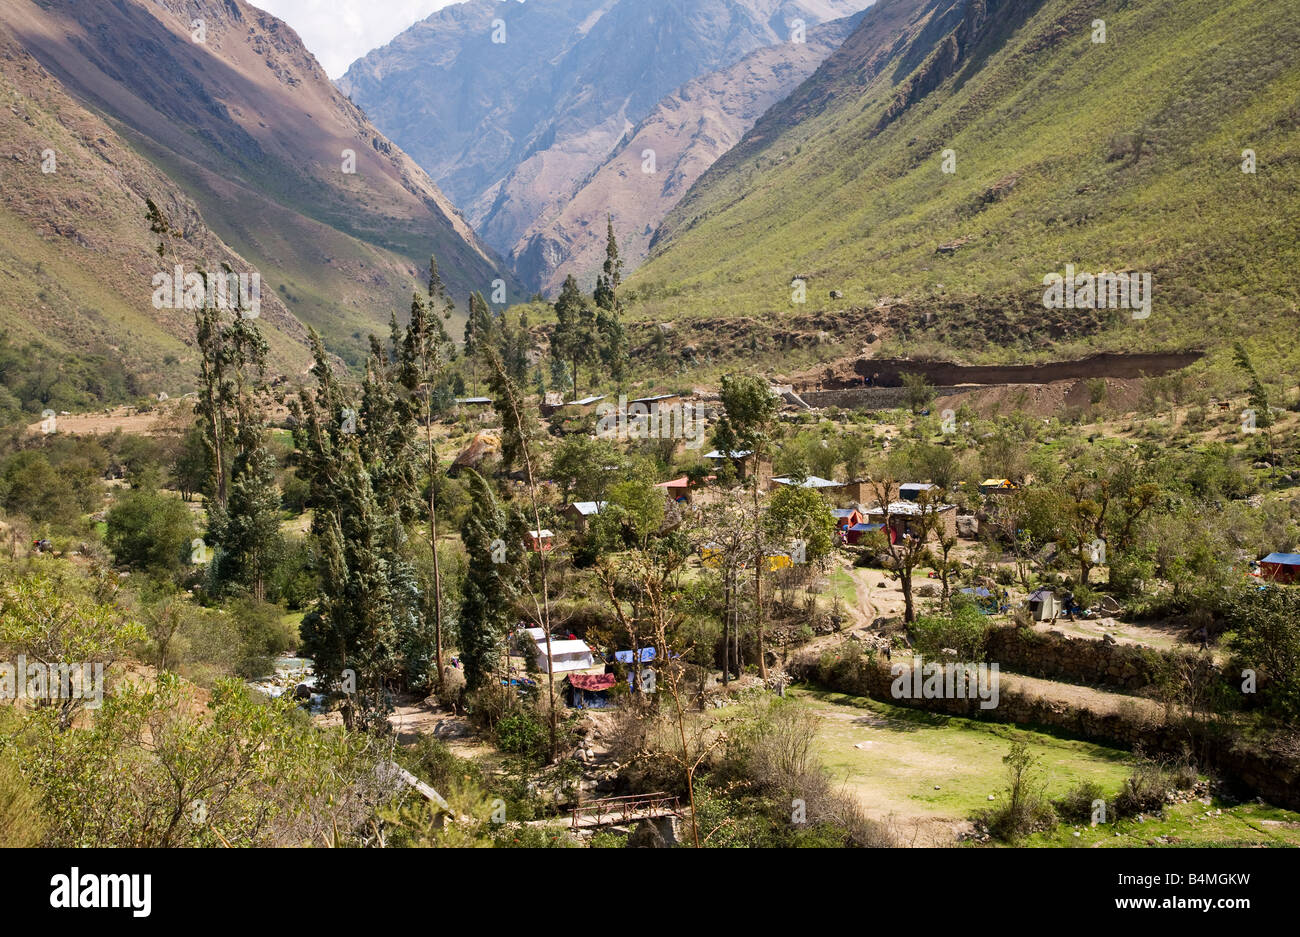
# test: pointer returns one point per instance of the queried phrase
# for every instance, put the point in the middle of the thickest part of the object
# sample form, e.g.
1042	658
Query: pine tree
244	509
573	338
426	353
369	599
246	533
520	431
1259	402
493	543
609	322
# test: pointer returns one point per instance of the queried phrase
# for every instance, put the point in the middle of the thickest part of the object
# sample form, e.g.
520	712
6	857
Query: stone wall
1056	656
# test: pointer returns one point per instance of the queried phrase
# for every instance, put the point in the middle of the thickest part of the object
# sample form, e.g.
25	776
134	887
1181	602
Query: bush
521	734
451	692
30	486
21	823
489	704
263	635
434	762
965	630
1076	805
1024	810
1147	788
151	533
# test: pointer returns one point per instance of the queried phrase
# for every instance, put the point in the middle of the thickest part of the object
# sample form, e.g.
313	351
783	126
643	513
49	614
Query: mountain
1122	155
685	133
247	136
509	129
77	258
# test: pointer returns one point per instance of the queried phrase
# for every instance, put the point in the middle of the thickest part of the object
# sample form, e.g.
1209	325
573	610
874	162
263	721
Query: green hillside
1122	155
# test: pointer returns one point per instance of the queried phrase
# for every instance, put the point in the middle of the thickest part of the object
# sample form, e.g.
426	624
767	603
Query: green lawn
910	753
1194	824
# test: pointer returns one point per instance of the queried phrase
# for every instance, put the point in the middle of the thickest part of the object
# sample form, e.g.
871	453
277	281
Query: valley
739	424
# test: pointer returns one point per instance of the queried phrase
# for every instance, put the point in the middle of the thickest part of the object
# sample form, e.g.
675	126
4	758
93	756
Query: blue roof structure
1283	559
625	657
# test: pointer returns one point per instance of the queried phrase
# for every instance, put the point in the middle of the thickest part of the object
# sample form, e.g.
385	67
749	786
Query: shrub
264	634
521	734
21	823
1076	805
965	630
1024	809
433	761
151	532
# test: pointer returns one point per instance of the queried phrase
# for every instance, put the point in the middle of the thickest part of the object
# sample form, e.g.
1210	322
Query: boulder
450	729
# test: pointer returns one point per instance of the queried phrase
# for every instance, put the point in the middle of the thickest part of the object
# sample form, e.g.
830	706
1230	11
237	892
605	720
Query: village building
683	490
846	517
812	481
743	460
1280	567
854	535
539	541
651	403
997	486
581	512
906	517
572	407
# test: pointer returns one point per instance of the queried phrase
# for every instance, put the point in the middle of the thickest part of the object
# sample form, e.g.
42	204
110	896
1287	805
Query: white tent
566	655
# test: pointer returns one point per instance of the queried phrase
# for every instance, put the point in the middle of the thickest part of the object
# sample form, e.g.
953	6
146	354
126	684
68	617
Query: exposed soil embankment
888	372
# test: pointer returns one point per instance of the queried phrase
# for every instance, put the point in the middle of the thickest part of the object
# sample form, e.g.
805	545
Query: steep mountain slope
1118	155
77	257
510	128
684	134
246	122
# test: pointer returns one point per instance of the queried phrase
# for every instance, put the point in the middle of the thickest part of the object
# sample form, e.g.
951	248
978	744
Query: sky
338	32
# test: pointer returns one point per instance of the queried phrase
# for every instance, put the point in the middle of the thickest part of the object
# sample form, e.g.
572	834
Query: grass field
929	774
1216	824
918	764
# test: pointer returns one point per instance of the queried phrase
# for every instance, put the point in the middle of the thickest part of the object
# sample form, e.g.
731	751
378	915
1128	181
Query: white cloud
338	32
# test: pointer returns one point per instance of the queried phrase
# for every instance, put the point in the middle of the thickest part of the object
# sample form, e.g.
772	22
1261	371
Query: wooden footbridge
623	811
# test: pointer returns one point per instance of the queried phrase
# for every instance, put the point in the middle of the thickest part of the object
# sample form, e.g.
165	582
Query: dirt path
127	419
865	612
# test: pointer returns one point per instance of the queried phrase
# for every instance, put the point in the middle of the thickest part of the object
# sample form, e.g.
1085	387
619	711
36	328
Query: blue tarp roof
625	657
866	527
1285	559
978	591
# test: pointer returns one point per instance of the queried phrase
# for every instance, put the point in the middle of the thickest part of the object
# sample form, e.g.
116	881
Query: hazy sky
338	32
